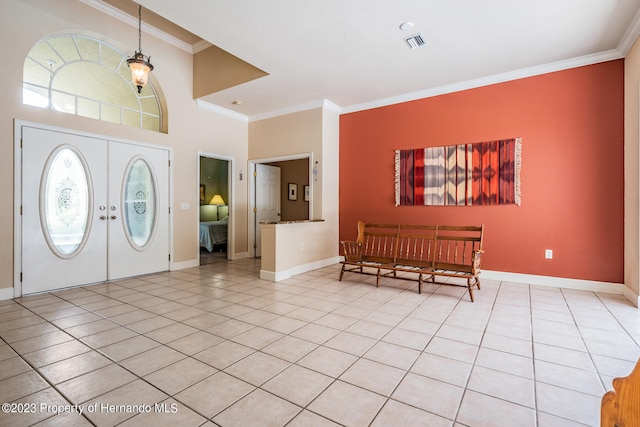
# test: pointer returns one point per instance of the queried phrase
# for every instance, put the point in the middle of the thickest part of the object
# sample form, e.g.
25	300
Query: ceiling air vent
415	41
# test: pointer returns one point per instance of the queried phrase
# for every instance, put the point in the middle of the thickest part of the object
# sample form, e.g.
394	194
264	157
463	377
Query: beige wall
314	131
631	171
190	129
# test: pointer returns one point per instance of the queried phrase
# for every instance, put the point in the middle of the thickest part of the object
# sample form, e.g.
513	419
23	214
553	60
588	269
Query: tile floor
215	345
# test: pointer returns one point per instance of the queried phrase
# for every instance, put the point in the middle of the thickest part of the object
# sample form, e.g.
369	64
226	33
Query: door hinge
255	210
20	209
21	277
169	257
255	173
169	210
169	161
255	246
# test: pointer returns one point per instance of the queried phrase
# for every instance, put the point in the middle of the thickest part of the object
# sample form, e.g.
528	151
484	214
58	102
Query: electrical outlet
548	253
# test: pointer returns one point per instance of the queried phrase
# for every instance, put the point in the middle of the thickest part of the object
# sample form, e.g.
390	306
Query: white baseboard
558	282
632	296
185	264
277	276
6	293
239	255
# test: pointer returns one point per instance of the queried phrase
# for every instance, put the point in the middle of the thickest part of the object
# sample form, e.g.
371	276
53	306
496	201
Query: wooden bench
620	407
428	251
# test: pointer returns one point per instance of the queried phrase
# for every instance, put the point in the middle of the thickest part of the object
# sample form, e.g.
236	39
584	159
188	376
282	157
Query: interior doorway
295	193
213	215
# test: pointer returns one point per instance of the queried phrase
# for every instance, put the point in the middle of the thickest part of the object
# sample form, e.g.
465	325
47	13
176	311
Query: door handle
113	217
103	217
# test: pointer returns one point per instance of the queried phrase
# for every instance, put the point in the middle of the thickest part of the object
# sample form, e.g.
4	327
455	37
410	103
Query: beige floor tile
37	343
298	385
224	354
169	413
584	381
289	348
20	386
171	333
505	362
284	325
152	360
205	320
27	332
336	321
132	317
309	419
150	324
447	370
396	414
392	355
485	411
347	404
214	394
405	338
508	345
315	333
257	337
257	368
56	353
350	343
111	336
180	375
373	376
258	408
129	347
195	343
79	319
42	405
230	328
93	384
136	394
306	314
503	386
13	366
328	361
66	419
368	329
6	352
452	349
431	395
74	366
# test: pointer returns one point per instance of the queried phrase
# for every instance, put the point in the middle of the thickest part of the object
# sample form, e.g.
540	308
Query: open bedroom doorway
215	193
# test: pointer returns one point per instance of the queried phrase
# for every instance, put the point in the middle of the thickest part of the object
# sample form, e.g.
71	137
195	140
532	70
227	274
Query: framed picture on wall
202	192
293	192
306	193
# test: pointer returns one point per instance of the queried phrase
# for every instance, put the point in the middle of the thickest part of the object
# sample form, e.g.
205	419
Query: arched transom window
84	76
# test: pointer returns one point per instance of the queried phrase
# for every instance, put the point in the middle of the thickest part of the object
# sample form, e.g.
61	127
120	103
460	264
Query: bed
213	232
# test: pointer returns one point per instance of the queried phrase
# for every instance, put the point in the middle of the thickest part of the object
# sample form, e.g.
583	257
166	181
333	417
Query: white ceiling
353	54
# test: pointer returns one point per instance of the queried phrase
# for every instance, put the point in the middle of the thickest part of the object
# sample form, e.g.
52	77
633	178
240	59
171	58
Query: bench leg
419	283
478	282
342	271
378	279
470	287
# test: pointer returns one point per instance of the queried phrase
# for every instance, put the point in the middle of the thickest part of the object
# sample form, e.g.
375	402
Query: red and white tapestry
483	173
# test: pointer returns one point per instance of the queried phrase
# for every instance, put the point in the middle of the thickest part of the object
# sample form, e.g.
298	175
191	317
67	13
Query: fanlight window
84	76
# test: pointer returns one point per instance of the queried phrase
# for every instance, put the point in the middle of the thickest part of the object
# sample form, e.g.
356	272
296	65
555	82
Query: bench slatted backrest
455	246
378	241
416	245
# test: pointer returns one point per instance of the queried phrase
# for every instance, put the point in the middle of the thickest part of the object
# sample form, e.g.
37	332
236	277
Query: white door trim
251	167
17	190
231	231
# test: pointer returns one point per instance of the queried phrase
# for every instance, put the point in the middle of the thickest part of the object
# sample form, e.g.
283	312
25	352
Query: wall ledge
277	276
6	293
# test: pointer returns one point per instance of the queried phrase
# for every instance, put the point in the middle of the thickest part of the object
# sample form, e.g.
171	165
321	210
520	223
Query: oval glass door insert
139	203
65	202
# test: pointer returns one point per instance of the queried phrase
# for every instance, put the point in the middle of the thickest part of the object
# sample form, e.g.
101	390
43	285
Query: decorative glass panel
139	200
65	202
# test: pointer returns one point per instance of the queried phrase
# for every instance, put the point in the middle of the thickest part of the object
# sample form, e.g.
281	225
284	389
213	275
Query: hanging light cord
140	28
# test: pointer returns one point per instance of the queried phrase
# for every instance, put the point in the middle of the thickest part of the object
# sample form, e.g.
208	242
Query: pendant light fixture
140	65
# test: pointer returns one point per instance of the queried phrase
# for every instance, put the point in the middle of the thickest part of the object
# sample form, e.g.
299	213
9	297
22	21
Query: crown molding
116	13
222	111
324	103
489	80
630	35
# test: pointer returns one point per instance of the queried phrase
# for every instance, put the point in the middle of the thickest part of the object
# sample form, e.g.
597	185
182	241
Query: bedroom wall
296	172
190	128
571	124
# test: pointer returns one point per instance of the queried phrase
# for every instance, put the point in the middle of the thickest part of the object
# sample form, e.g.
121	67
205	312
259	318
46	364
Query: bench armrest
476	257
352	250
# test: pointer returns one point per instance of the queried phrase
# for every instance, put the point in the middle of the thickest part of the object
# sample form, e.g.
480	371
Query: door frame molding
231	227
251	218
17	187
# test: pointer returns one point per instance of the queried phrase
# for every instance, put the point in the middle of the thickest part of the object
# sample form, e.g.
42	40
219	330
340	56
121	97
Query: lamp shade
216	200
140	67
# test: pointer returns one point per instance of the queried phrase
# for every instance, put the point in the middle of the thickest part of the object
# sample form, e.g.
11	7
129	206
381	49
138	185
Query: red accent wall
572	128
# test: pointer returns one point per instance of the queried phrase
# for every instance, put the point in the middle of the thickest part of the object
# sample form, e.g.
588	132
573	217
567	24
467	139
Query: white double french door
92	210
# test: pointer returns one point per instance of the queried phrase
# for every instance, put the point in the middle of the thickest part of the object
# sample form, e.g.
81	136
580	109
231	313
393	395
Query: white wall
23	23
